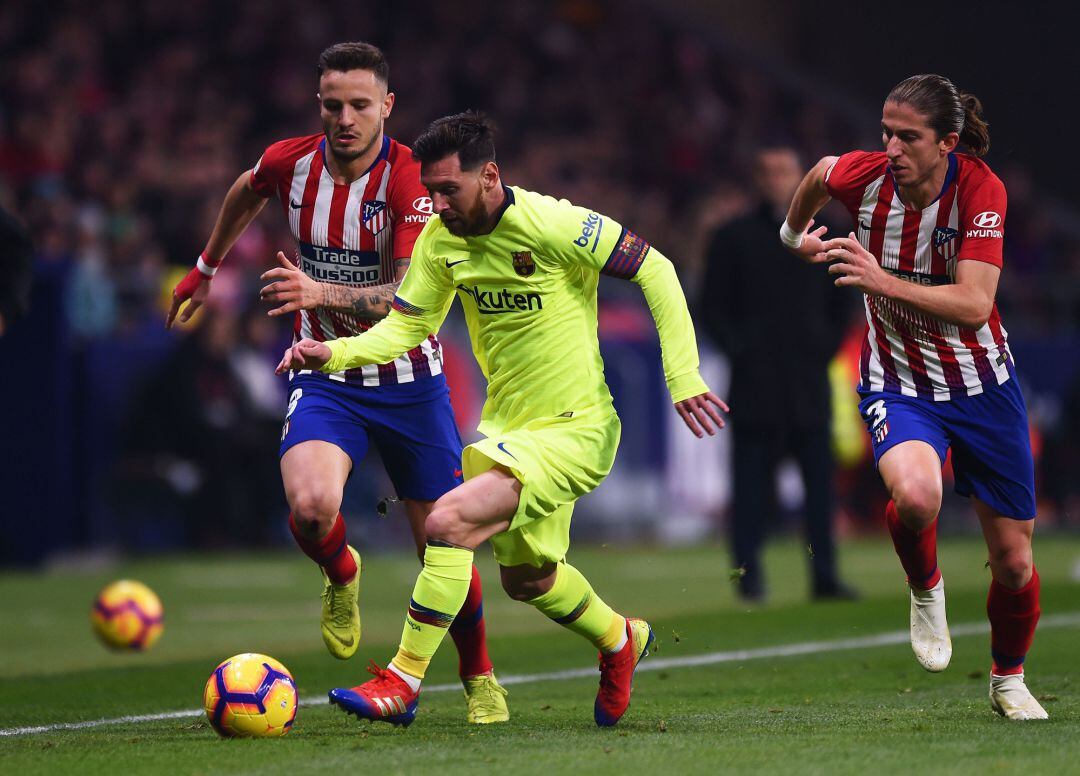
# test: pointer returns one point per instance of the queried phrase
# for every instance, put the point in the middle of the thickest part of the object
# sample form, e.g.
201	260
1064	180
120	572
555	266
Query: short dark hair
946	108
344	57
470	135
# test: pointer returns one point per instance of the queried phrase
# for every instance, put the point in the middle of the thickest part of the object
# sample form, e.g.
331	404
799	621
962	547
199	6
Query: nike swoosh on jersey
867	227
295	205
450	264
502	446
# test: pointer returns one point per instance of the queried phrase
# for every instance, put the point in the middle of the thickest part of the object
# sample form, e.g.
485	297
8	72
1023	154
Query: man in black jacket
779	322
15	251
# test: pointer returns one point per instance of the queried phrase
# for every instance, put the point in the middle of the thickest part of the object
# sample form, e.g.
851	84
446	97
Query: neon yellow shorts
557	460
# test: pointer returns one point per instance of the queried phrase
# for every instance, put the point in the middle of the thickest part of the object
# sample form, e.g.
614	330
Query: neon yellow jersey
528	289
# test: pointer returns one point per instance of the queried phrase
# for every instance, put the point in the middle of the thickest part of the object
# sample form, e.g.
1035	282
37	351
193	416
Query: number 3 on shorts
875	413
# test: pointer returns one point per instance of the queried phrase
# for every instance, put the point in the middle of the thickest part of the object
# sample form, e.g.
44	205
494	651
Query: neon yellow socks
572	603
440	591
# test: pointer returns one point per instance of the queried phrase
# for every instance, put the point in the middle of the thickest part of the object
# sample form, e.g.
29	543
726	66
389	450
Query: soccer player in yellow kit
525	267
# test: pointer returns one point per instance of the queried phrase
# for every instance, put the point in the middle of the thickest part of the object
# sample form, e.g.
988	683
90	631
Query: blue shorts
988	435
412	424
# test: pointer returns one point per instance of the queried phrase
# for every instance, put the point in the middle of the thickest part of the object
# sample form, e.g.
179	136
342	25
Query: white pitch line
1067	620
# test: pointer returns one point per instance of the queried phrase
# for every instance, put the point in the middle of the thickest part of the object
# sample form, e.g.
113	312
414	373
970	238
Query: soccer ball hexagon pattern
250	696
127	615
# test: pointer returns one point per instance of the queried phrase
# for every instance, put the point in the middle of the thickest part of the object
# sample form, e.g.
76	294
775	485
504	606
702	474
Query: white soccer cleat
929	629
1011	698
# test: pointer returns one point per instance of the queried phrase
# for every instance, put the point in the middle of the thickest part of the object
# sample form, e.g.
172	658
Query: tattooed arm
299	292
372	303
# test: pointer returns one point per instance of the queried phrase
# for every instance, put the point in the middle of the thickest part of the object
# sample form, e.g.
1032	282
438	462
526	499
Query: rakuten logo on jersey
985	225
424	210
503	300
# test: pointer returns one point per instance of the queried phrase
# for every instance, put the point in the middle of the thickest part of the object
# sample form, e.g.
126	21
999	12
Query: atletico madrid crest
523	263
945	242
373	214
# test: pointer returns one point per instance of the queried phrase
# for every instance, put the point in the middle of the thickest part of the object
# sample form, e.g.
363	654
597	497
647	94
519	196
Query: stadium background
121	130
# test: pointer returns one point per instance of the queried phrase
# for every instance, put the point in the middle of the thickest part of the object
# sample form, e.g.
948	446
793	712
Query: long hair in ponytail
946	109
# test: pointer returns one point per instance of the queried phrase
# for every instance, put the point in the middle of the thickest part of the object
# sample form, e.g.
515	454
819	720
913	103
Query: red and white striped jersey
350	234
905	351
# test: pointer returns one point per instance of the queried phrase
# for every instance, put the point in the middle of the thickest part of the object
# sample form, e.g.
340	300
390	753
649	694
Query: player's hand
196	287
305	354
812	249
291	286
697	411
856	267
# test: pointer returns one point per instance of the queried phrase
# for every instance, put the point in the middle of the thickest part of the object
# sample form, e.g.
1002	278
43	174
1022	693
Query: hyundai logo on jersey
340	265
988	219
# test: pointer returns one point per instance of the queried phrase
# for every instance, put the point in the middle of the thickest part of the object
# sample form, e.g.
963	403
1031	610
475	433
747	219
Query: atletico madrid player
937	372
355	205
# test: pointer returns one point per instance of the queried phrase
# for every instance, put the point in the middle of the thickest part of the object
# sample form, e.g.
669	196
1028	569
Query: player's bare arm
968	302
240	207
298	291
809	199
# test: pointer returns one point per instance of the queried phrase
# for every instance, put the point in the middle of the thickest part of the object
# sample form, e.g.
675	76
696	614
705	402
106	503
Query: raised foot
930	639
617	673
340	620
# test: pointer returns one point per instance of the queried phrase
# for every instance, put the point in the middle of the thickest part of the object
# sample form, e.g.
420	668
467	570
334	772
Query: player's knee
444	523
1012	566
918	501
314	511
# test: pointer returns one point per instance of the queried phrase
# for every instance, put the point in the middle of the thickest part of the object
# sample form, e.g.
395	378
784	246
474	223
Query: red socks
917	551
1013	616
329	552
469	632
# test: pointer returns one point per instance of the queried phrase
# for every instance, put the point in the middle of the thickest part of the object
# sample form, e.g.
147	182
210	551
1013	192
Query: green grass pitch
846	696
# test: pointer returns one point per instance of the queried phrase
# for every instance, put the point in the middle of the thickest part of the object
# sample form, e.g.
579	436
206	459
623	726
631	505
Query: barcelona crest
523	263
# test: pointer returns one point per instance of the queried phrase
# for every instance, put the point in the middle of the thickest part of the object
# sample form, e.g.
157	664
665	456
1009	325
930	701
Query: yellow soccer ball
127	615
250	696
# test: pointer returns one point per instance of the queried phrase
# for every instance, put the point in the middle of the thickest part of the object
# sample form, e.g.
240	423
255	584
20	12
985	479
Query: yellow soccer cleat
486	700
1011	698
341	615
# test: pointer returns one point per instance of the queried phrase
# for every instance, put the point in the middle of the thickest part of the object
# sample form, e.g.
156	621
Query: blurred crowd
122	128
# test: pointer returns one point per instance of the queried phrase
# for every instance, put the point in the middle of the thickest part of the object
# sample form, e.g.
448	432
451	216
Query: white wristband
790	237
205	268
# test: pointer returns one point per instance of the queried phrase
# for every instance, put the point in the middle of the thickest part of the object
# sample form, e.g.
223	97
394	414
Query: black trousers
758	452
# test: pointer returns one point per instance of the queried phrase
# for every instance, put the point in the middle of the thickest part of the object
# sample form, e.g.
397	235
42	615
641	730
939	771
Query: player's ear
388	105
949	142
489	175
